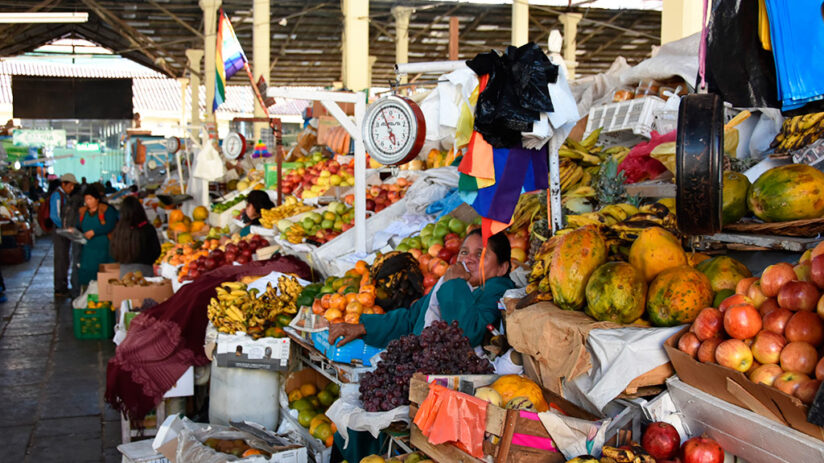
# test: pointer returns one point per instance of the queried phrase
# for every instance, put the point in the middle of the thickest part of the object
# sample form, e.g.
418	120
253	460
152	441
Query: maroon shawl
167	339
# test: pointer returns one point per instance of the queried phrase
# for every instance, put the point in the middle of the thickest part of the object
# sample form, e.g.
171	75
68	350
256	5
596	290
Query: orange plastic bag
449	416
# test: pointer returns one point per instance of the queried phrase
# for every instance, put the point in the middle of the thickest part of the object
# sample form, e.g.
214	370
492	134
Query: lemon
326	398
333	388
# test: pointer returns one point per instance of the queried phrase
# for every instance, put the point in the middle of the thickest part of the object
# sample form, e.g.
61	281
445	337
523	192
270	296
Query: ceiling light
30	18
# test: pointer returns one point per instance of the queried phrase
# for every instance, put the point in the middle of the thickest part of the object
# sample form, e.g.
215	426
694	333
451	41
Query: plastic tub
238	394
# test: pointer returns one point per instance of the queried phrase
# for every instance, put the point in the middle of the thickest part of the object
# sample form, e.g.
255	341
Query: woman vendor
467	293
257	201
97	219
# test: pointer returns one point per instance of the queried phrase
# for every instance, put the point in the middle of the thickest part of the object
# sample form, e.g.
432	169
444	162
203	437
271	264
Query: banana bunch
651	215
528	207
238	309
609	215
798	132
294	234
164	249
539	276
290	207
617	455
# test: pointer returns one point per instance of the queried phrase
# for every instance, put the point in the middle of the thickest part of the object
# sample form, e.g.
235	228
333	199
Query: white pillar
184	84
680	18
570	22
402	15
194	57
209	8
356	44
520	22
262	52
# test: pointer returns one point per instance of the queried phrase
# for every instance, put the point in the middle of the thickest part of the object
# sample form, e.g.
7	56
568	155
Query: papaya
734	202
724	272
676	296
573	260
790	192
656	250
512	386
695	258
616	292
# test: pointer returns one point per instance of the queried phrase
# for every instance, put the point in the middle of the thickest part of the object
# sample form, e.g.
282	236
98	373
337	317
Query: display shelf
741	242
340	373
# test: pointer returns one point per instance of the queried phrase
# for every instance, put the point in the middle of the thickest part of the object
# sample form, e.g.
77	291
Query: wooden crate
502	426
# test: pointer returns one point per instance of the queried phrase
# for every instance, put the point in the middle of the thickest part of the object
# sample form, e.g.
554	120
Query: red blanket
167	339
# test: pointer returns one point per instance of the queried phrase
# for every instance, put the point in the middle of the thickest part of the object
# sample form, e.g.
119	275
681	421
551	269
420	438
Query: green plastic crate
271	172
93	323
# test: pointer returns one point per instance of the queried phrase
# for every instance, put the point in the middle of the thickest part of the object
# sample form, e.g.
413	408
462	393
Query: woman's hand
454	271
89	234
348	331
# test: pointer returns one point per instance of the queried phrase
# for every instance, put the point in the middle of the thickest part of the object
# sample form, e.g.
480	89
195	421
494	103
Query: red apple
775	276
429	280
816	251
776	320
732	301
689	344
439	268
742	321
798	295
768	306
445	254
756	294
819	308
767	347
817	271
789	381
733	353
807	327
766	374
452	244
807	389
819	369
435	249
800	357
702	450
708	323
706	351
744	285
661	440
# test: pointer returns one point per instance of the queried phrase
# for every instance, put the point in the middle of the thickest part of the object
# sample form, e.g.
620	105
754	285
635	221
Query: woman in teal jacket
461	295
97	220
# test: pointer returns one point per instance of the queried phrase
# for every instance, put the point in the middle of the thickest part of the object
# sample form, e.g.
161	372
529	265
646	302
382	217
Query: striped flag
229	58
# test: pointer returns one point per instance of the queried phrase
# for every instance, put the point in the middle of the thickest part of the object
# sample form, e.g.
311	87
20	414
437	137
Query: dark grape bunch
440	349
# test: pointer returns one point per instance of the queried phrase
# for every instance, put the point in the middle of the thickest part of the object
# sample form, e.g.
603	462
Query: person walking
57	213
97	220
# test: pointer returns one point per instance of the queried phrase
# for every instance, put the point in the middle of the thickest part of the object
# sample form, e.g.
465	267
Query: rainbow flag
229	58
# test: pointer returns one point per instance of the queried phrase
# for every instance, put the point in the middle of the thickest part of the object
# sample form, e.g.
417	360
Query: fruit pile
798	132
181	254
311	405
226	205
236	447
771	329
379	197
440	349
318	227
238	309
343	300
410	458
437	158
436	247
183	227
237	249
290	207
135	278
514	392
313	181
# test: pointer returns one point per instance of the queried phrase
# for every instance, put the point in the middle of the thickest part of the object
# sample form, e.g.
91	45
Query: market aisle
51	384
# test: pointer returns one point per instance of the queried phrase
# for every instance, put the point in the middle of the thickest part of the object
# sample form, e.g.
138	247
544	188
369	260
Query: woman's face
251	212
470	254
91	201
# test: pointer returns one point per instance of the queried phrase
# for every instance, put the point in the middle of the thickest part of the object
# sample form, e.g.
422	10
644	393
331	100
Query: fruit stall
666	278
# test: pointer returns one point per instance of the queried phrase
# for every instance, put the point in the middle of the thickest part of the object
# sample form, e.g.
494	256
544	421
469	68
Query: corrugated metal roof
152	91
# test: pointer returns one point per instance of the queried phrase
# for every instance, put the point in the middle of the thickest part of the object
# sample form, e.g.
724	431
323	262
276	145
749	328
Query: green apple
307	223
441	230
328	215
427	230
402	248
414	242
457	226
327	223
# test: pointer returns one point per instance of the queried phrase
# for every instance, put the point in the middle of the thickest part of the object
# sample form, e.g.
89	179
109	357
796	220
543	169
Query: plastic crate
271	172
667	121
356	351
93	323
624	121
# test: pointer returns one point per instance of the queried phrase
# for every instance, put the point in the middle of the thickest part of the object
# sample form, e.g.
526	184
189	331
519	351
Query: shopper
257	201
467	293
75	202
109	188
57	214
134	243
97	220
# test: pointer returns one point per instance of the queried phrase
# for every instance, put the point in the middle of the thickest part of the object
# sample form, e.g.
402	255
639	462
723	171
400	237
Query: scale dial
394	130
234	145
172	145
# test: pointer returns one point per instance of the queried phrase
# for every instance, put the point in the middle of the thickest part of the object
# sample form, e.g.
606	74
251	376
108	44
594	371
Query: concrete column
356	44
209	8
194	57
680	18
184	84
570	22
520	22
402	15
262	52
372	61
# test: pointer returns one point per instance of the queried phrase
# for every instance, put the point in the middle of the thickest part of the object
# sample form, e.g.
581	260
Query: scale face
234	145
172	145
393	130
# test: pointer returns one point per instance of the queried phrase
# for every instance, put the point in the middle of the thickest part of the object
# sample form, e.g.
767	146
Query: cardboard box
105	273
141	452
241	351
306	376
734	387
156	291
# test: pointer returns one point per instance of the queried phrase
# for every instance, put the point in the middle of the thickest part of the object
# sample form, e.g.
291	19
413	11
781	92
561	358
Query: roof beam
432	23
176	18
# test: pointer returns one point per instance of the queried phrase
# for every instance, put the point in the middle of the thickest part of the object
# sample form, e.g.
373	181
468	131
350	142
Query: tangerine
366	299
337	302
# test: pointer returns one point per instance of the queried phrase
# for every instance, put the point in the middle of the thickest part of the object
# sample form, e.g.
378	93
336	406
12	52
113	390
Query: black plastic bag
515	95
737	67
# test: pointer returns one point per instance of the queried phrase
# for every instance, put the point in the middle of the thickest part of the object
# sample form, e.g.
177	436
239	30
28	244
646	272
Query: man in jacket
58	211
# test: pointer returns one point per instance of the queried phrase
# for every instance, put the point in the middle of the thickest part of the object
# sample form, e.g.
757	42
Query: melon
785	193
616	292
676	296
734	205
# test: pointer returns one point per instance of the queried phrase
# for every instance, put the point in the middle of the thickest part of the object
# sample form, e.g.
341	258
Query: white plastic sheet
430	186
570	434
348	413
618	357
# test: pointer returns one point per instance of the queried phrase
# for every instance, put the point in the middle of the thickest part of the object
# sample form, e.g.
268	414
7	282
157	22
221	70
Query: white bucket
239	394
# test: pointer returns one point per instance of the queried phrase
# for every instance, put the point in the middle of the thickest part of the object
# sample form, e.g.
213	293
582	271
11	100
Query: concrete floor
51	384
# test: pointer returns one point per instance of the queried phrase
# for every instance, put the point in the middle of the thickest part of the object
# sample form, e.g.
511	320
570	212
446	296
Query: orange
330	440
366	299
326	301
361	267
351	317
369	289
378	309
336	320
200	213
337	302
333	314
176	216
351	297
354	307
251	452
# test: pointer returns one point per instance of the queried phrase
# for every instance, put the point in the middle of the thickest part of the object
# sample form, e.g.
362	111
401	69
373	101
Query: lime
305	417
313	399
333	388
301	405
326	398
323	431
